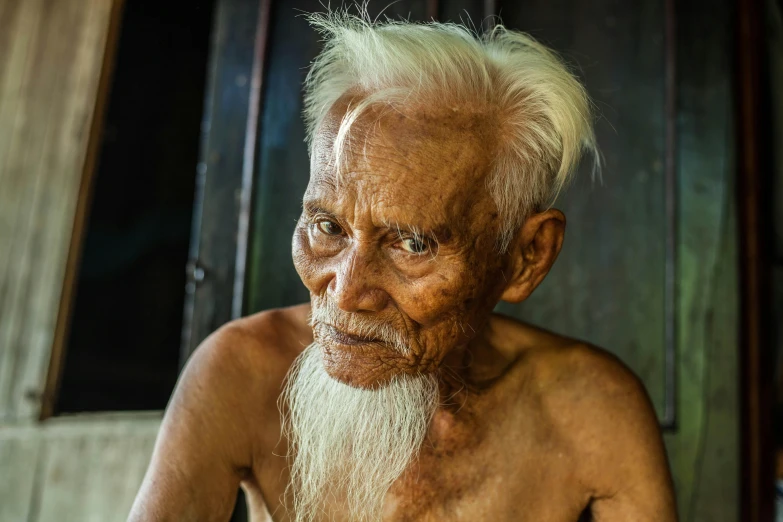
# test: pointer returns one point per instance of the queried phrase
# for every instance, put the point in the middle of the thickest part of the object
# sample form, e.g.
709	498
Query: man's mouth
349	339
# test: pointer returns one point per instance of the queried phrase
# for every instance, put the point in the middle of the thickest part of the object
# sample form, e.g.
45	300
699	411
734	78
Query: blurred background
152	163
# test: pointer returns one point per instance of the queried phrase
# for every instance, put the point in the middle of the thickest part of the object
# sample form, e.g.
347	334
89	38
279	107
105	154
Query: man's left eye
330	228
414	246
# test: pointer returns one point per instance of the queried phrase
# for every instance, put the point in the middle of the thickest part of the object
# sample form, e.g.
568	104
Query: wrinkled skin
354	244
533	426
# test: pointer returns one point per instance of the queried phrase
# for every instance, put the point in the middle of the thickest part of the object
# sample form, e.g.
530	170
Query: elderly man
396	394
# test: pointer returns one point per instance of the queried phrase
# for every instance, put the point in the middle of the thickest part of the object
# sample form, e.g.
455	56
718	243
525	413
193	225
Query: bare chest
496	482
506	476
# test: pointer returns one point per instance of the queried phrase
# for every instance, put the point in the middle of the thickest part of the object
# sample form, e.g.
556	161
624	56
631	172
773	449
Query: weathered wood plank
49	78
283	166
755	250
705	456
607	287
774	33
83	468
19	458
93	477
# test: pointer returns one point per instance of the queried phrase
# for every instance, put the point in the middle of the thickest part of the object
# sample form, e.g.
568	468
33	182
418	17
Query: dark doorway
123	349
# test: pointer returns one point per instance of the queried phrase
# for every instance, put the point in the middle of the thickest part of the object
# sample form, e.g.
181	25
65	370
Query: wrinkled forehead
418	154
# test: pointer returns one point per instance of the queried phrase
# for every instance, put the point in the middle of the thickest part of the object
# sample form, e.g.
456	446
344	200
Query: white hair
543	113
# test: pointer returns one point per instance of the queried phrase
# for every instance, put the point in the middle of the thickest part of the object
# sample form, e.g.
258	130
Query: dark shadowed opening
123	349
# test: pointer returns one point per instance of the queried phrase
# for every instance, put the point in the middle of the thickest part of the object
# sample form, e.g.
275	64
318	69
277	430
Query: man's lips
349	339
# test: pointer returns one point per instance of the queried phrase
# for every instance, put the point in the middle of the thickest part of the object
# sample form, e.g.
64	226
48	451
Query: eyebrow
312	208
441	233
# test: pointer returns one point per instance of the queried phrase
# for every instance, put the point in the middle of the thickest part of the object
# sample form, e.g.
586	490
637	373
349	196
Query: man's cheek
299	256
305	261
430	305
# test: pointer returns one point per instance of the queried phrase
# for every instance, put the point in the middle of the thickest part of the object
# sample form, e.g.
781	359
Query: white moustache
357	325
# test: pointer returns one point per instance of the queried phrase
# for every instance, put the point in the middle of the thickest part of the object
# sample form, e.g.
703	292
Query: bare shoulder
566	373
574	372
221	418
600	409
259	346
231	382
275	326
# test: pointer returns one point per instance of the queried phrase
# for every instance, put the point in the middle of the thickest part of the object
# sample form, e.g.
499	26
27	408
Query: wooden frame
57	358
52	103
757	384
216	266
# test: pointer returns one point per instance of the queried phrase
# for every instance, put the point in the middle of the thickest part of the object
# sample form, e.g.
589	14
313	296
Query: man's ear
532	253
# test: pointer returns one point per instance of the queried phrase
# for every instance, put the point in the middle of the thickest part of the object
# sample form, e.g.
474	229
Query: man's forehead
396	189
440	150
417	122
421	168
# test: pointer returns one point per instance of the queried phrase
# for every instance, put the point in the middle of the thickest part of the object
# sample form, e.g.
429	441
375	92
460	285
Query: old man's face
398	250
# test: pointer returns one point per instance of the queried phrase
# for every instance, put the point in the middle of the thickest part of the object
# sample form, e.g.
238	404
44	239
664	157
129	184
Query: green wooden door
648	269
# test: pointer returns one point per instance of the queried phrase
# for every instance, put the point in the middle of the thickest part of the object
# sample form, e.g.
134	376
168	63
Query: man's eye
330	228
414	246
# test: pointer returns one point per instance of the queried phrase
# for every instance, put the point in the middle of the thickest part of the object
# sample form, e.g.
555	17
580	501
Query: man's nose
356	283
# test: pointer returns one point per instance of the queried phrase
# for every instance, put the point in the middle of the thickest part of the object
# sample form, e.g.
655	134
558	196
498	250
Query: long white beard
350	444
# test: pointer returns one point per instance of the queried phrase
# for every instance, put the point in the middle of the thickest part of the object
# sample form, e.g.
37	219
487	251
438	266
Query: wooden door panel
54	67
628	235
704	450
607	287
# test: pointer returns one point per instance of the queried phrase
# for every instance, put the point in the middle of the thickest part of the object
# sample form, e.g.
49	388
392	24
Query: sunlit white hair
543	113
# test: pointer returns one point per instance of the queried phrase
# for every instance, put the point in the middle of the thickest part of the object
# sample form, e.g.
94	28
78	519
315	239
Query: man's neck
476	365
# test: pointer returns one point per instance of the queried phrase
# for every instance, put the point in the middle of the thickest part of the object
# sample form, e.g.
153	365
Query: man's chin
362	367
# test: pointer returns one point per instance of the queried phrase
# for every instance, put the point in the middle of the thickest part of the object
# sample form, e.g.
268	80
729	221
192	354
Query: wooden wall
75	469
55	58
52	56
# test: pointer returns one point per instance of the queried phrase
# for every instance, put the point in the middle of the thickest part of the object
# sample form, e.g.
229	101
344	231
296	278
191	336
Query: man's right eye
330	228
